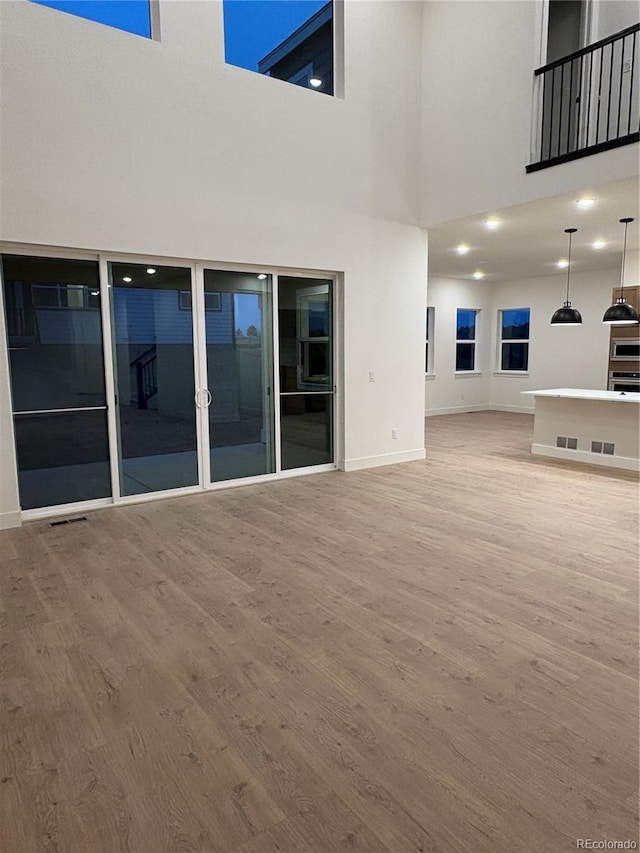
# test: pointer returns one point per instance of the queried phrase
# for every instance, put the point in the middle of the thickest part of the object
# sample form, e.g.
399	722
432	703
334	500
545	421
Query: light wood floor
434	656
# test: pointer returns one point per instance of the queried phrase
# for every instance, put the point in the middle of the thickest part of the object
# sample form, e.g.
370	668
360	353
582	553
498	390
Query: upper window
132	16
290	40
466	339
513	332
428	345
64	296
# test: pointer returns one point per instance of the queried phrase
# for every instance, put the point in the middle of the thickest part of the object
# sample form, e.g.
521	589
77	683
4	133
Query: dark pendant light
621	313
567	316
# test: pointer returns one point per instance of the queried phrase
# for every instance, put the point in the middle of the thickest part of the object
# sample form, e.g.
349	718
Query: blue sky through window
466	324
252	28
247	312
515	323
132	16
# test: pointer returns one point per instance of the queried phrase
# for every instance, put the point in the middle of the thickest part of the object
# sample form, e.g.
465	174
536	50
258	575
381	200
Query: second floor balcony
588	101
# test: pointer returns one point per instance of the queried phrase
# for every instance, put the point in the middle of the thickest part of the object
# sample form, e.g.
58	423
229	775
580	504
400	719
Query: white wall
614	15
447	392
113	142
477	101
559	357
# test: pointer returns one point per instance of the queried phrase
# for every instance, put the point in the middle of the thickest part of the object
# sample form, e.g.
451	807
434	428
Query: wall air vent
608	448
564	441
596	447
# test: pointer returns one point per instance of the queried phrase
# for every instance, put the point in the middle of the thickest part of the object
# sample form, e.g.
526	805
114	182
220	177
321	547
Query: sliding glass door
152	322
239	374
54	330
188	386
305	323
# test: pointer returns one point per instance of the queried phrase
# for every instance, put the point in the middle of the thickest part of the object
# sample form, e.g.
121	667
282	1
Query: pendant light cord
624	255
568	268
570	232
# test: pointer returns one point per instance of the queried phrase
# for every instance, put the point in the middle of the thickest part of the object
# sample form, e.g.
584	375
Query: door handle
200	403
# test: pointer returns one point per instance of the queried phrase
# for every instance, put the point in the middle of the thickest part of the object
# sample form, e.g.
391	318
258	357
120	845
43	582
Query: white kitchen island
597	427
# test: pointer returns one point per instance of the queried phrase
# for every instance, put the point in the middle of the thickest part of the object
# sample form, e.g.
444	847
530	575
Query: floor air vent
68	521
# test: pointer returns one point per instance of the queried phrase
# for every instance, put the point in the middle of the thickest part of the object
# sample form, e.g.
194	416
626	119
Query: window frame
501	341
430	318
473	341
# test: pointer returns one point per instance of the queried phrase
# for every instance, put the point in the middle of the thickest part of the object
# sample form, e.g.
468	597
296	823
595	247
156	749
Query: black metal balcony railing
589	100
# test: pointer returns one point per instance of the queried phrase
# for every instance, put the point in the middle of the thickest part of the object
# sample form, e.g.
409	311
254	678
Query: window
313	313
290	40
513	331
132	16
64	296
466	339
428	345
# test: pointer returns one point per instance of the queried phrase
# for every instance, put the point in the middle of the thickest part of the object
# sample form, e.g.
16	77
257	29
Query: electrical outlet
372	376
394	433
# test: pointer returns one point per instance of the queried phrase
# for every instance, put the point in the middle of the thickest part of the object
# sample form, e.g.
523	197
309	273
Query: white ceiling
531	239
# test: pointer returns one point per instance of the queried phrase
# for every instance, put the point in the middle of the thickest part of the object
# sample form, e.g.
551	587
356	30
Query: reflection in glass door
305	330
239	363
54	327
154	377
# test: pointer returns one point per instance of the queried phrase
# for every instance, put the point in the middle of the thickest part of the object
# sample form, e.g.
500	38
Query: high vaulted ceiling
530	239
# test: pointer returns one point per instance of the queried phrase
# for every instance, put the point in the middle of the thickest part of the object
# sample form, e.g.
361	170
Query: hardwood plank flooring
433	656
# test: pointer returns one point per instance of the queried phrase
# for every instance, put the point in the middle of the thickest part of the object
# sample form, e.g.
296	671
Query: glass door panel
63	457
305	321
154	377
54	328
239	359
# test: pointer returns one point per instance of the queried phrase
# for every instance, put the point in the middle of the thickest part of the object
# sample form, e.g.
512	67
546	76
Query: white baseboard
520	410
10	519
481	407
384	459
625	463
455	410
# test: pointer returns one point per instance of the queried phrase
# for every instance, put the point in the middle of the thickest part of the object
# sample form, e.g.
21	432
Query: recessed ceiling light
316	82
151	270
585	202
492	223
127	279
598	244
478	274
262	276
462	249
563	263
